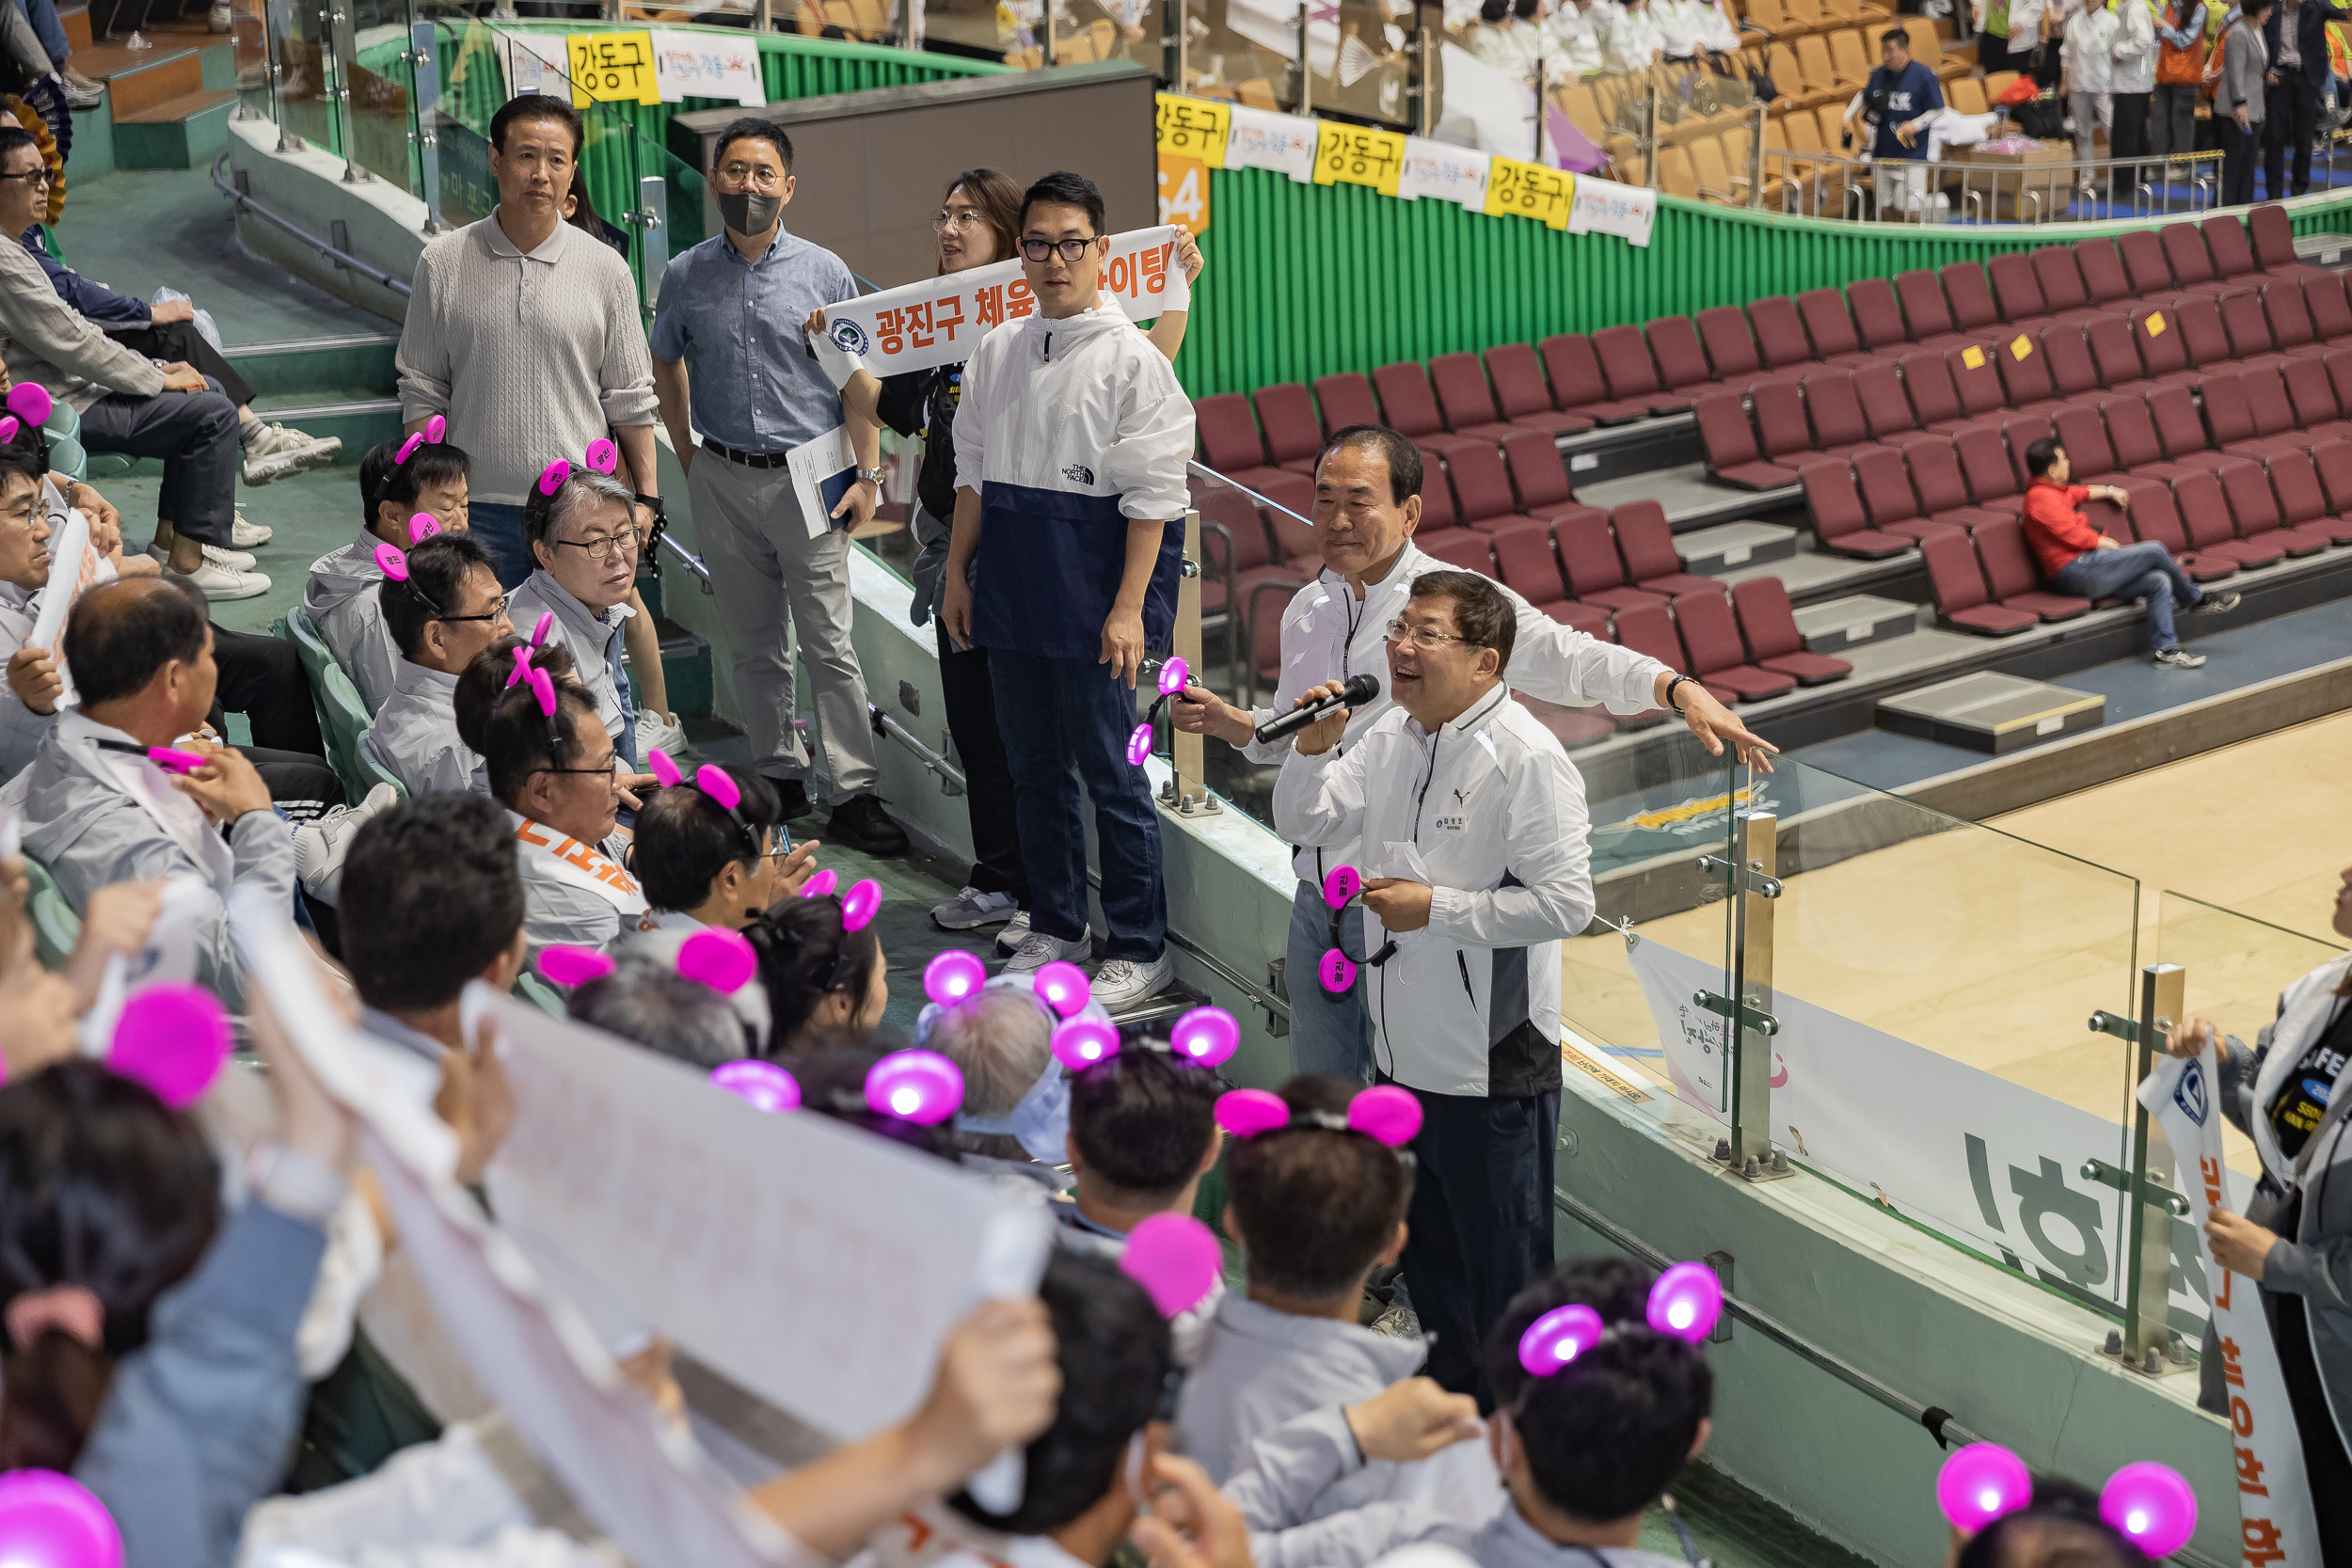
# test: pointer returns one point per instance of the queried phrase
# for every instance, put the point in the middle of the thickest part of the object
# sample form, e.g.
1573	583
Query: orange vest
2177	67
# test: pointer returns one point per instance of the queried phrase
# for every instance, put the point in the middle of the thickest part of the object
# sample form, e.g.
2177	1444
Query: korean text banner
940	321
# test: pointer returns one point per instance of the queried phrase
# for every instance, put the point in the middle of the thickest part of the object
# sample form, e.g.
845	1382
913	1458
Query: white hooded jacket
343	603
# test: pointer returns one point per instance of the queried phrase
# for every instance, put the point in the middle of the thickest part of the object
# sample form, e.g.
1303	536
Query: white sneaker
218	19
320	845
234	560
77	98
659	732
217	581
1038	950
972	908
1122	982
248	536
276	452
1016	931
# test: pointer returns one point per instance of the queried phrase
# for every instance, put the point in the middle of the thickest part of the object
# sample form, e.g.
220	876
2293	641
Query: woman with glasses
447	610
978	225
340	596
584	540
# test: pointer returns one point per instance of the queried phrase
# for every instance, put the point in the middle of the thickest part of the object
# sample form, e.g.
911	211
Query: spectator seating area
2201	366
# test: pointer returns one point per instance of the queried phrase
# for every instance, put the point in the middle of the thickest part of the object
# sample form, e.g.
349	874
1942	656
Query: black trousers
2292	111
2327	1468
182	341
1480	1223
988	798
261	678
303	786
2237	161
2128	138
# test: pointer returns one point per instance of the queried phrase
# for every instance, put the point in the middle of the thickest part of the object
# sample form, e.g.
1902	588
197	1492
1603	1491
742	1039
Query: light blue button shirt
737	324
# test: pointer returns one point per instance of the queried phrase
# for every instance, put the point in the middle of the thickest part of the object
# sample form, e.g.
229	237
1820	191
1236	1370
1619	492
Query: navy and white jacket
1069	430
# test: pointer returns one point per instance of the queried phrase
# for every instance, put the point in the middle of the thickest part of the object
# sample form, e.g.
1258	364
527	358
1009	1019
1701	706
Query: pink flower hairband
30	403
716	783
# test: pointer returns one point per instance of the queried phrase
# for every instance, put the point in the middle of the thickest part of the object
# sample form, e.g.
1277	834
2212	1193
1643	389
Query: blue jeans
1067	721
1329	1034
2145	570
499	529
43	14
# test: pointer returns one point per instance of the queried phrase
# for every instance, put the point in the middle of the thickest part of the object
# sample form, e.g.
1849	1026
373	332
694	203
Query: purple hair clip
394	564
173	760
603	456
421	527
572	966
551	477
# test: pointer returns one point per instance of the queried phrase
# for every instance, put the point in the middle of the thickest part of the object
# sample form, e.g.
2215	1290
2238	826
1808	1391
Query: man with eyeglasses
1471	837
1070	446
449	609
559	779
731	311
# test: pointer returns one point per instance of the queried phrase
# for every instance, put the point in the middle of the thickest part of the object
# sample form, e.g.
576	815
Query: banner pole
1757	846
2148	1265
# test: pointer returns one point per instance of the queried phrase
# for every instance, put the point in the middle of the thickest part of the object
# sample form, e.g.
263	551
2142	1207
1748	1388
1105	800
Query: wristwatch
873	476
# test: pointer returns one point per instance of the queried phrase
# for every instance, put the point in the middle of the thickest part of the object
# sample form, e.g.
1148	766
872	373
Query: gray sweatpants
772	582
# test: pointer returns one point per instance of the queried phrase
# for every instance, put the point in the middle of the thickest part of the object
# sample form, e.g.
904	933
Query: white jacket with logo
1469	1003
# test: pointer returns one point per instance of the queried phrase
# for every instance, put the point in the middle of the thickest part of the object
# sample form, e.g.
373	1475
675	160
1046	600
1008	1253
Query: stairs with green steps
168	103
342	385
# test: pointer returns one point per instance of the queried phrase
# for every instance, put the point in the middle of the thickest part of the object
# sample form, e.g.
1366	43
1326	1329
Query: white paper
69	556
537	63
812	463
1259	138
710	64
728	1227
1609	207
2274	1499
1443	172
168	957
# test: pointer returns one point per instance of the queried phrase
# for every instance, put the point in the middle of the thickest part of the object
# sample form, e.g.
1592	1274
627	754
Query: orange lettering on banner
917	1531
2250	1473
2232	1373
523	832
1120	277
2241	1416
2260	1539
2209	1172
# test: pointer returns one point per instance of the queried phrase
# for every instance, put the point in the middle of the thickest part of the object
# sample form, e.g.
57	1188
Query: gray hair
645	1000
1001	1041
584	492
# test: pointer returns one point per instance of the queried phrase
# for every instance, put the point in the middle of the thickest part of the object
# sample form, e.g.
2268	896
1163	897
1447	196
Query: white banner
941	320
1608	207
2274	1499
1259	138
1443	172
536	63
709	64
725	1227
1989	1162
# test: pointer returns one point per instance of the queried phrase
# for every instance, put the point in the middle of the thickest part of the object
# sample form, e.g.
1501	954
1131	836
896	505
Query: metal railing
1971	186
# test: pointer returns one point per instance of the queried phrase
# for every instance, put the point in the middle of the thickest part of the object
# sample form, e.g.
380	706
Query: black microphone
1358	691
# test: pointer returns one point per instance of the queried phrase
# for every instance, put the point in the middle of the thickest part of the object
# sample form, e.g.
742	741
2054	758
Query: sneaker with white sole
320	845
971	909
218	19
222	582
1122	982
249	536
233	560
1038	950
2179	659
659	732
2215	603
276	452
77	98
1016	931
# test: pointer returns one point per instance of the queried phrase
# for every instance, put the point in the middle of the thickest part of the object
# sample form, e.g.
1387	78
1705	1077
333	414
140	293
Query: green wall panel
1307	280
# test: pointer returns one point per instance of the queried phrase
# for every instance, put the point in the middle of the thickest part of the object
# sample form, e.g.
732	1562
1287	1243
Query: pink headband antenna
1384	1113
1684	1304
551	477
9	427
173	1039
723	960
522	667
657	763
572	966
762	1086
713	780
1063	987
1081	1042
860	904
421	527
954	975
1207	1036
820	885
173	760
916	1085
29	400
539	632
603	456
543	689
1175	1259
394	564
49	1520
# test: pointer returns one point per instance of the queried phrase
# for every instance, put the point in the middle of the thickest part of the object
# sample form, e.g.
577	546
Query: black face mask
747	214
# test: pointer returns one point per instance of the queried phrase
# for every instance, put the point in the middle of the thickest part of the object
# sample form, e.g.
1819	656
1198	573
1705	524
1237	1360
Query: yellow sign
1194	128
1972	357
1353	156
2020	346
1185	192
2156	323
1530	191
612	67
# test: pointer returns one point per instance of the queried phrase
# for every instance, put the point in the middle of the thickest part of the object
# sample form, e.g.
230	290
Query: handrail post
1306	91
425	103
1424	106
1755	158
1650	127
1173	64
339	45
2163	992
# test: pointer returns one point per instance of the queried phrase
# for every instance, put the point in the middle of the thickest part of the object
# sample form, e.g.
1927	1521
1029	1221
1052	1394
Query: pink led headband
723	960
393	564
916	1085
9	427
551	477
820	885
1684	1304
603	456
1335	972
1063	987
1204	1036
539	632
2148	1504
173	760
434	428
762	1086
1384	1113
543	687
572	966
421	527
49	1520
1175	1259
173	1039
713	780
29	400
1173	673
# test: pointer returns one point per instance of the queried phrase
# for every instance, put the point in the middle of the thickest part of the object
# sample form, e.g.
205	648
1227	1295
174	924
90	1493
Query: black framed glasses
496	610
1038	250
611	767
606	546
38	176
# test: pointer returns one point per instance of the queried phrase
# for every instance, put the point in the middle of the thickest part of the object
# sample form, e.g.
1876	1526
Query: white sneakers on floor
320	845
971	909
248	536
659	732
276	452
216	582
1118	984
1037	950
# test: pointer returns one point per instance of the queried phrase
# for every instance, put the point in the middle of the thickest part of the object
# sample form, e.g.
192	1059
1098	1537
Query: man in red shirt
2080	559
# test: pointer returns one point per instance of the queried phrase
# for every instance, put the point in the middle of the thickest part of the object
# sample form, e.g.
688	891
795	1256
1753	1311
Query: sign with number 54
1185	192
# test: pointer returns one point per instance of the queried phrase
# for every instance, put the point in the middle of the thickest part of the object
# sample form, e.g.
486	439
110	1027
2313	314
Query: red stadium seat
1732	453
1538	476
1884	481
1977	381
1482	489
2203	338
1294	433
1346	399
1958	584
2014	578
1631	373
2330	310
2211	527
2073	371
1647	545
1460	546
2017	290
1650	629
2132	432
1780	339
1577	384
2262	527
1839	524
1674	344
2062	290
2103	273
1522	394
1596	573
2145	265
1731	347
1984	454
1411	409
2274	242
1229	439
1942	491
2192	263
2163	347
2303	506
1834	408
2156	517
2114	356
2242	318
1465	399
2233	253
1973	311
1774	643
2024	369
2290	319
1934	401
1878	315
1927	312
1524	558
1711	638
1830	328
1236	552
1886	411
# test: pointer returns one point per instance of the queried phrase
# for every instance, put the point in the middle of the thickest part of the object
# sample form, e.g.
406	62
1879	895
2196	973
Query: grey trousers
2173	121
773	581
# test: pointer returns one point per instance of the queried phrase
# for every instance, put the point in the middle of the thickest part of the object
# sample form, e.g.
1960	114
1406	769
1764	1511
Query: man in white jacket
2085	55
1472	830
1070	446
2132	87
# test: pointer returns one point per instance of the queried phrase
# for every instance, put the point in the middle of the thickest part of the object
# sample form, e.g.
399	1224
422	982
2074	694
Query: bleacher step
1858	619
319	370
179	132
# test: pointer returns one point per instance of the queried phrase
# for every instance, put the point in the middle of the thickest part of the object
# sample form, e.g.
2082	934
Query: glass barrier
381	111
306	97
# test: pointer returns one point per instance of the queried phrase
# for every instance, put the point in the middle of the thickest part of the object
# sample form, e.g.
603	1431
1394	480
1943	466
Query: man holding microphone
1367	485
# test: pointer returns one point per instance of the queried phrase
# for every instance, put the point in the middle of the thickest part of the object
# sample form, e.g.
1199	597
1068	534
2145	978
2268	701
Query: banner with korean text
941	320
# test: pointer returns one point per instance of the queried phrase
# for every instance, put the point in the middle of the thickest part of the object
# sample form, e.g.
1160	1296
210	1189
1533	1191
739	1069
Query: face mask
748	214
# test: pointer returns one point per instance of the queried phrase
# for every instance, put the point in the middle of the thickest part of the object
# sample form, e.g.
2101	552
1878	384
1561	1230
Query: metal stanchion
1425	106
1755	158
336	21
1306	90
1650	131
425	99
1748	1011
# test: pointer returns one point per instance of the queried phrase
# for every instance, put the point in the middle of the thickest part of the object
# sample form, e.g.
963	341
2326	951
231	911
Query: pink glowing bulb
657	763
1980	1483
1686	1301
916	1085
29	402
603	456
1246	1113
1386	1112
173	760
1342	883
1139	745
1063	987
539	632
572	966
2153	1505
719	958
1336	972
860	904
952	975
820	885
1205	1035
551	477
421	527
1084	1042
1174	672
394	564
1558	1337
762	1086
1175	1259
173	1039
717	782
49	1520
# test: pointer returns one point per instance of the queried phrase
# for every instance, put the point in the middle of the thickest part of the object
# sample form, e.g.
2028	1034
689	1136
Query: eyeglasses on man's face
623	545
1424	639
496	610
759	177
37	175
605	770
1038	250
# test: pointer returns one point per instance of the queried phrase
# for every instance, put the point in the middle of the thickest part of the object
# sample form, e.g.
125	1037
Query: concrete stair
167	106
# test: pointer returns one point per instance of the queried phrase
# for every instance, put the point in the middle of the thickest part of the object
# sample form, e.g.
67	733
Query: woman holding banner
977	224
2292	1094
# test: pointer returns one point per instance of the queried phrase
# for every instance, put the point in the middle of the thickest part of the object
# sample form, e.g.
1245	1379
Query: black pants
261	678
1480	1225
303	786
2291	120
1992	53
194	434
2128	138
182	341
2237	161
2326	1470
987	779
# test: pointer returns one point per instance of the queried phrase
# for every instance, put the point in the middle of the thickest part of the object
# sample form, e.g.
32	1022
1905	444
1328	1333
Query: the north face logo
1078	473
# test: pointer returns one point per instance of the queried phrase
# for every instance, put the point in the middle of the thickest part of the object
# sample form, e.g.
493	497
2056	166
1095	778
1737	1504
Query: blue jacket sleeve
199	1424
94	300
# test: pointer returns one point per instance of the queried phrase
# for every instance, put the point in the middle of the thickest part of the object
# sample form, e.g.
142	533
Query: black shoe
795	797
861	824
2215	604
